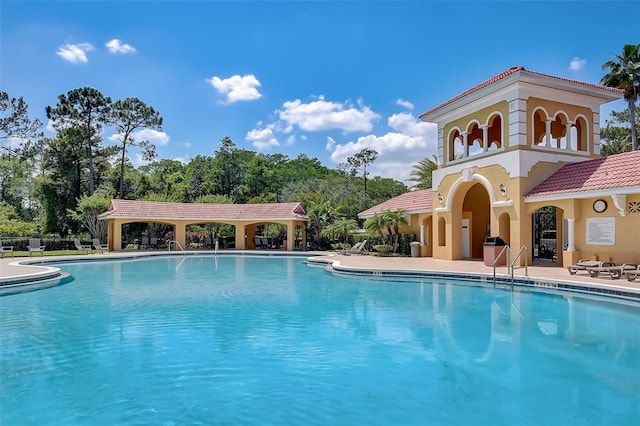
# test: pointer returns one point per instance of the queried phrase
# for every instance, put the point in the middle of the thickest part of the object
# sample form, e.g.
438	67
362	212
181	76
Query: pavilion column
485	138
180	231
568	136
291	235
465	144
547	124
421	234
571	234
241	231
115	229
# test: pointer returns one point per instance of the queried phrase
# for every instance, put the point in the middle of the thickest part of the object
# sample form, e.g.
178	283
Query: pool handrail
176	242
506	250
526	262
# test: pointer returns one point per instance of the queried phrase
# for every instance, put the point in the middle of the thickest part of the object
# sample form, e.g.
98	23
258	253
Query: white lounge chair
583	264
35	245
5	249
358	248
632	274
99	247
80	247
614	271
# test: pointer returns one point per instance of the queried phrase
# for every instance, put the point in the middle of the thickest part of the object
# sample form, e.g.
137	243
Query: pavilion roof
131	209
411	202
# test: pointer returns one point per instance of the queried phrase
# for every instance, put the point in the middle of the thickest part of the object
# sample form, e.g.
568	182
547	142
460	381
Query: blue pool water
271	341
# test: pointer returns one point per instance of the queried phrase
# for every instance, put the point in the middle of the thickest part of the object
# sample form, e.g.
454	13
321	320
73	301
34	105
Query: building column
465	143
568	136
570	234
547	124
485	137
421	234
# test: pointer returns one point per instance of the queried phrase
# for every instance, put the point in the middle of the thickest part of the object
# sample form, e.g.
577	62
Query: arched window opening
539	127
581	137
494	133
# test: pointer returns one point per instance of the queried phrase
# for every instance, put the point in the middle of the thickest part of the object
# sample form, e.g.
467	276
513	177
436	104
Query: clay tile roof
600	174
163	210
509	72
411	202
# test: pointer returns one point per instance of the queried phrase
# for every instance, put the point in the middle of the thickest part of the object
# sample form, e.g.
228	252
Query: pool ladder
506	251
178	244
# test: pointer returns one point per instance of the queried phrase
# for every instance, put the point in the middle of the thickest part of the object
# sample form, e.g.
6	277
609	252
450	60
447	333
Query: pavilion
245	218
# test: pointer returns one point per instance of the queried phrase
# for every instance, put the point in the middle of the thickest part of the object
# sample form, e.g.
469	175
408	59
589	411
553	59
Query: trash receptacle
491	250
415	249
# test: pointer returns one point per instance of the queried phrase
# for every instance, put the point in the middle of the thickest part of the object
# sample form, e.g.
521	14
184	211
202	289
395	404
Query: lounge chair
358	248
614	271
632	274
153	242
35	245
5	249
583	264
97	246
80	247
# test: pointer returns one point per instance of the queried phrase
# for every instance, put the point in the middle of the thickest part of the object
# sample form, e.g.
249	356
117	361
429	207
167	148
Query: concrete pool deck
36	269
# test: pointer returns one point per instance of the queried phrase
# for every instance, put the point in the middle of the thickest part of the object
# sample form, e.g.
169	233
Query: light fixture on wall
503	190
441	198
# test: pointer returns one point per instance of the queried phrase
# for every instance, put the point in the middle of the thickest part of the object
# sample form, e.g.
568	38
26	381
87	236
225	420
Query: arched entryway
475	220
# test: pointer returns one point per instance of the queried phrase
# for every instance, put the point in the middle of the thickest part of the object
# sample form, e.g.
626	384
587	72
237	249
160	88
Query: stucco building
517	143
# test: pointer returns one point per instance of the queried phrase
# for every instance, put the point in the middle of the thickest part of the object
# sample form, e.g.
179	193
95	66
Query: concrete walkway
26	269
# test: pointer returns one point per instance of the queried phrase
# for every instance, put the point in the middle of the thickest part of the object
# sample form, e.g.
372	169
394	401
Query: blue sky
317	77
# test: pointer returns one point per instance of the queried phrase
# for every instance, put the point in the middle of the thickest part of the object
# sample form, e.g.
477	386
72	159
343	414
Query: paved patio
35	268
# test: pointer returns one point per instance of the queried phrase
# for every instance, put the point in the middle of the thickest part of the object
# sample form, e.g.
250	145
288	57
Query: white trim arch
467	176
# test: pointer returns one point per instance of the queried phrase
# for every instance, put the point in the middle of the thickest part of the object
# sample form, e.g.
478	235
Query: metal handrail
526	262
504	250
174	241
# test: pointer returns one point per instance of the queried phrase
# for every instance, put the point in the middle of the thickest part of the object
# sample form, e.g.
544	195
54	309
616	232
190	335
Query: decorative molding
620	200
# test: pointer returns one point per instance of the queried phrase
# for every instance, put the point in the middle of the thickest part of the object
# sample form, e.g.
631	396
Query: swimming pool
272	341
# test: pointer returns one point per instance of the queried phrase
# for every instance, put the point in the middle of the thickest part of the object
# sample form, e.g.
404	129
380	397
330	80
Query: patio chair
144	242
35	245
583	264
358	248
153	242
614	271
80	247
5	249
98	246
632	274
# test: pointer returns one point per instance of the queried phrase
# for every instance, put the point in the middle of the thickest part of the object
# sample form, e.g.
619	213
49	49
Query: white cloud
577	64
153	136
75	53
187	144
323	115
184	159
262	139
291	139
237	88
116	46
411	141
403	103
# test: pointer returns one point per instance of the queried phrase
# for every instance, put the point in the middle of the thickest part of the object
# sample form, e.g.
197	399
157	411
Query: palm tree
422	172
624	73
397	218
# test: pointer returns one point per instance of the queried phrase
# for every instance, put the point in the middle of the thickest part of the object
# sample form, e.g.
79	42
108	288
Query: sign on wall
601	231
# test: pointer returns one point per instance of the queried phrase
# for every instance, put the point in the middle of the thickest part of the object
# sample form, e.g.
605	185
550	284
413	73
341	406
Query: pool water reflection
270	340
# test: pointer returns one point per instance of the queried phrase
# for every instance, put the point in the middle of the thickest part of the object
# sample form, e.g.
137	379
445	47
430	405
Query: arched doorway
475	221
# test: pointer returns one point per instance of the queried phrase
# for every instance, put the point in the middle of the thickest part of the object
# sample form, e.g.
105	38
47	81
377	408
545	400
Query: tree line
49	185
